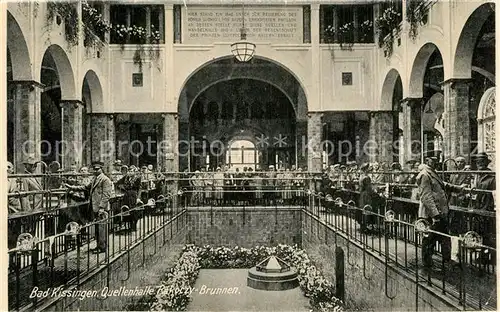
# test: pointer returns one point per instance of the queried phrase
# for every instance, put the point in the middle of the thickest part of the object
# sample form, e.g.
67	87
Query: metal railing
43	243
54	252
390	230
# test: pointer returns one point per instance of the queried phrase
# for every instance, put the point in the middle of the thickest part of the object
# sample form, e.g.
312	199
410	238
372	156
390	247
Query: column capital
165	115
70	103
382	112
109	115
412	102
310	114
28	83
315	7
453	82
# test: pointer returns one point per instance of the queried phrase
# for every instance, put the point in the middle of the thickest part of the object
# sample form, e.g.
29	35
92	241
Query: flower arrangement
174	293
366	30
386	23
416	14
329	34
69	15
95	26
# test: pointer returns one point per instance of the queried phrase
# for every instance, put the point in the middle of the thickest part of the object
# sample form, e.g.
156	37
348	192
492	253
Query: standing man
116	173
434	208
31	183
484	225
100	190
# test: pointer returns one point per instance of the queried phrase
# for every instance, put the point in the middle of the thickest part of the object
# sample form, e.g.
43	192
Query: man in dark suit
484	225
101	191
31	183
434	208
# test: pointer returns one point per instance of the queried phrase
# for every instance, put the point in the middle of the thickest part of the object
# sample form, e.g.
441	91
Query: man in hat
485	226
100	191
484	181
116	172
396	177
31	183
434	208
459	179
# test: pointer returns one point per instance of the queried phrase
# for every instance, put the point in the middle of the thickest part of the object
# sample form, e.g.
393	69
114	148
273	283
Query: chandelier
243	50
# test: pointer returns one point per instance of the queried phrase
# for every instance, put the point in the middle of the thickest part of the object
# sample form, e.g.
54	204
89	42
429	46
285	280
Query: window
346	23
486	124
138	16
347	79
137	80
242	153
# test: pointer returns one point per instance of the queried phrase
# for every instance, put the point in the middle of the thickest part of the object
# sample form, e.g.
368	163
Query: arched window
486	124
242	153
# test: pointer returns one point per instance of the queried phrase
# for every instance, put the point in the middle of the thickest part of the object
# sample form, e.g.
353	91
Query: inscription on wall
222	24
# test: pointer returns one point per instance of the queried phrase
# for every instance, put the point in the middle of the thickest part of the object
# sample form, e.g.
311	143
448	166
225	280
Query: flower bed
175	290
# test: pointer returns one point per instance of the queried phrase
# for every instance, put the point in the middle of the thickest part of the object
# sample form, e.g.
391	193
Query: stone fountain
272	274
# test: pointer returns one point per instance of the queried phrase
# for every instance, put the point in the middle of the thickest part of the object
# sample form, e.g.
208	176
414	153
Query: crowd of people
435	191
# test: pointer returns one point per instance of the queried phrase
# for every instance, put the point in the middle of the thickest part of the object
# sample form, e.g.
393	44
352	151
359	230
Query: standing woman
219	186
130	184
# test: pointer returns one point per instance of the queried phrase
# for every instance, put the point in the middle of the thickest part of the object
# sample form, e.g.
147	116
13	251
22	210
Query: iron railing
390	230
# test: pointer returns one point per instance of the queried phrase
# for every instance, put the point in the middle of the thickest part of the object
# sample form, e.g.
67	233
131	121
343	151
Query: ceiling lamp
243	50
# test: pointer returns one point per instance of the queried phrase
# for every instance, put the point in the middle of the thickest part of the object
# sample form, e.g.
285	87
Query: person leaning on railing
100	192
31	202
433	192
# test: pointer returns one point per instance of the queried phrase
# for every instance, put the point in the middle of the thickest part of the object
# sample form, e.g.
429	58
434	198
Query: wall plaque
208	24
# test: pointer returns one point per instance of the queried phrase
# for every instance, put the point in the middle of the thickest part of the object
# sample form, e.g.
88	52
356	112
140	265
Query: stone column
27	123
362	130
168	149
72	133
301	143
103	139
456	118
314	138
381	136
168	153
122	128
412	111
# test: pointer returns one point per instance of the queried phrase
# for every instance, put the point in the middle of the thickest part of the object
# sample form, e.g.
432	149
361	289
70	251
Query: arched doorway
391	97
427	104
91	100
486	125
58	80
474	62
250	109
22	106
242	154
225	99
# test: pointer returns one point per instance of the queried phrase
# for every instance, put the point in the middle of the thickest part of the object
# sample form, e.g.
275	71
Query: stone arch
241	77
95	88
416	85
64	72
225	68
486	123
386	100
18	50
462	66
